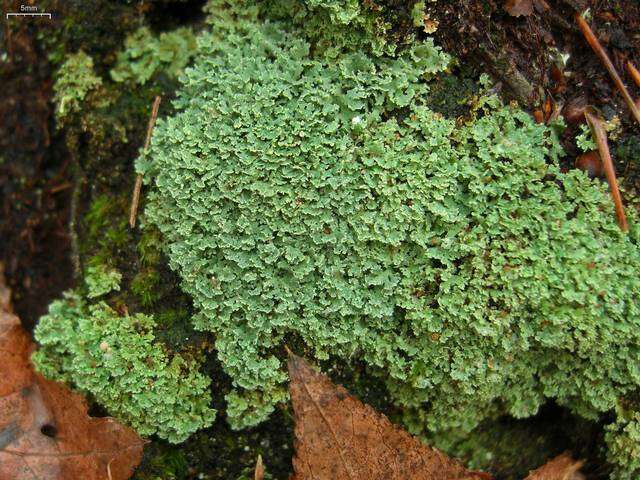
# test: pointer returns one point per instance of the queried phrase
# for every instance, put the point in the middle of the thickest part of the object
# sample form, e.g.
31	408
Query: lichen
75	79
319	197
146	54
116	359
101	280
623	442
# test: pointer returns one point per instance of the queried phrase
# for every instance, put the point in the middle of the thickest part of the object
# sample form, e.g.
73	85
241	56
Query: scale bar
25	14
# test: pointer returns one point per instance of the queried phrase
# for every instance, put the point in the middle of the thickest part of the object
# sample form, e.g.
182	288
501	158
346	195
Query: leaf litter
45	431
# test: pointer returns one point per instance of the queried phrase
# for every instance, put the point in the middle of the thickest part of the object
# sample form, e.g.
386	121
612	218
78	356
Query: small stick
633	72
135	200
600	52
79	180
600	136
61	187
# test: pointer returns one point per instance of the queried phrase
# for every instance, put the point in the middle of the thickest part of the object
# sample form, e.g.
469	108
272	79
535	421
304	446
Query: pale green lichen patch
623	442
101	280
146	54
318	197
116	359
75	79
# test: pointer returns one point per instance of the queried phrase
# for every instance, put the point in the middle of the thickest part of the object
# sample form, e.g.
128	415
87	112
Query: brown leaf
340	438
45	432
563	467
518	8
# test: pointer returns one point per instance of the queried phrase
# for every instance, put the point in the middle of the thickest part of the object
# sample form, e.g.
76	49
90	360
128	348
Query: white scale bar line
18	14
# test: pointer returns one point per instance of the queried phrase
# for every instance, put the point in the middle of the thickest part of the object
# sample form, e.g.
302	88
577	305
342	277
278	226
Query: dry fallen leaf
563	467
518	8
340	438
429	25
45	432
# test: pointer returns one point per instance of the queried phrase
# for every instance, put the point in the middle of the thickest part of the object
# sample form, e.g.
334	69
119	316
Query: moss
628	151
145	286
163	462
104	231
149	247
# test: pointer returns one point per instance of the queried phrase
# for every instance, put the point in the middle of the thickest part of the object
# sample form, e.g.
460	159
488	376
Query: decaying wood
594	43
600	136
505	70
135	199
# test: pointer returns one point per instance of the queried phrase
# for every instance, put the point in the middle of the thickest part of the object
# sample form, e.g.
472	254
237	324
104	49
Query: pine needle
604	58
600	136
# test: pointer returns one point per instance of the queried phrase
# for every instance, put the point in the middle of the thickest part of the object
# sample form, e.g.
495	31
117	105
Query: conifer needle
633	72
600	136
604	58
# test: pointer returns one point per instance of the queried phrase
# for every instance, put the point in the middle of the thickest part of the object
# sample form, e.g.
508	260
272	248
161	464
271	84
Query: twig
633	72
135	200
600	52
109	469
61	187
78	183
597	130
505	69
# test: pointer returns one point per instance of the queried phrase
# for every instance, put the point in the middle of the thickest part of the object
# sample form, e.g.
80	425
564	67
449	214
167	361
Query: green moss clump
145	55
116	360
145	286
322	200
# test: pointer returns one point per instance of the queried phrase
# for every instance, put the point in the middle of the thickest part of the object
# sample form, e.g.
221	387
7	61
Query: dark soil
35	181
